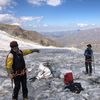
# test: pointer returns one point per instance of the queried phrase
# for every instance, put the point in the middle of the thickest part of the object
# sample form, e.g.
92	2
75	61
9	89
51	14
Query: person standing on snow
88	59
16	69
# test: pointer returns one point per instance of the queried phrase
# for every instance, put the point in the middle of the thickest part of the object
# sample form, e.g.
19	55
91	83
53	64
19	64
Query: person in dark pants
88	59
16	69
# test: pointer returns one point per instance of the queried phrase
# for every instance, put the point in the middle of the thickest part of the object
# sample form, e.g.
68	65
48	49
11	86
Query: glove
33	79
36	50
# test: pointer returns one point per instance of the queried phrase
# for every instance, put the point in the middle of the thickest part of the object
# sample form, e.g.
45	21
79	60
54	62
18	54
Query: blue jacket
88	54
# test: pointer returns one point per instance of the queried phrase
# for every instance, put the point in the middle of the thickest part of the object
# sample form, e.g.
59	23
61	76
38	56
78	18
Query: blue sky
51	15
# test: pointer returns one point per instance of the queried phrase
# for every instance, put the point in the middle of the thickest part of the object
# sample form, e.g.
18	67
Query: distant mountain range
34	36
77	38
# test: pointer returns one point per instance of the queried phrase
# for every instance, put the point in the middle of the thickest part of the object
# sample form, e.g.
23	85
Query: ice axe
12	83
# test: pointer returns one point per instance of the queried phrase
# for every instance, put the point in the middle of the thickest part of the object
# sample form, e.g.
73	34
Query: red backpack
68	77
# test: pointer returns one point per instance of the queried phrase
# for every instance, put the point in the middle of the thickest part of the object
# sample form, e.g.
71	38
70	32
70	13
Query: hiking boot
90	74
85	73
14	99
25	99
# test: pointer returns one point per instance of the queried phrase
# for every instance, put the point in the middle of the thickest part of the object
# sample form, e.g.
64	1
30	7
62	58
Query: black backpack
75	87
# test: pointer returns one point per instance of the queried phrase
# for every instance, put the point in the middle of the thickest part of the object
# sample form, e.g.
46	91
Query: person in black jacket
15	65
88	59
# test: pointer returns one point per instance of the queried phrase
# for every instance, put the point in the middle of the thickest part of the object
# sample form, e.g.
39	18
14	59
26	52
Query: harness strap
19	73
88	61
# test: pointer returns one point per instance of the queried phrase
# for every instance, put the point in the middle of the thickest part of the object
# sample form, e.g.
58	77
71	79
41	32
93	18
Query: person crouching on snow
43	72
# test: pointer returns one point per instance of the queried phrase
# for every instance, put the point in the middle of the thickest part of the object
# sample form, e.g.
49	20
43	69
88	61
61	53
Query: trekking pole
93	65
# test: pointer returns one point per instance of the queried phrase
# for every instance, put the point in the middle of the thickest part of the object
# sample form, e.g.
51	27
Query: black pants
20	81
88	66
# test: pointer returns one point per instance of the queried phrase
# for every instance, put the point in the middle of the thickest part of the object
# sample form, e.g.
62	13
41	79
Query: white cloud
7	18
93	24
86	25
45	25
37	2
46	2
82	25
24	18
25	21
5	3
54	2
30	18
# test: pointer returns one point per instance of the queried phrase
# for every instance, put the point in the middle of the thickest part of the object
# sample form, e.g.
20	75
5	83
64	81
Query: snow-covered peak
5	39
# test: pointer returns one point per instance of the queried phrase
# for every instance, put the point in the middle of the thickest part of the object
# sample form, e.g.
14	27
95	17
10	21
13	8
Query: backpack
88	53
75	87
68	77
18	61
